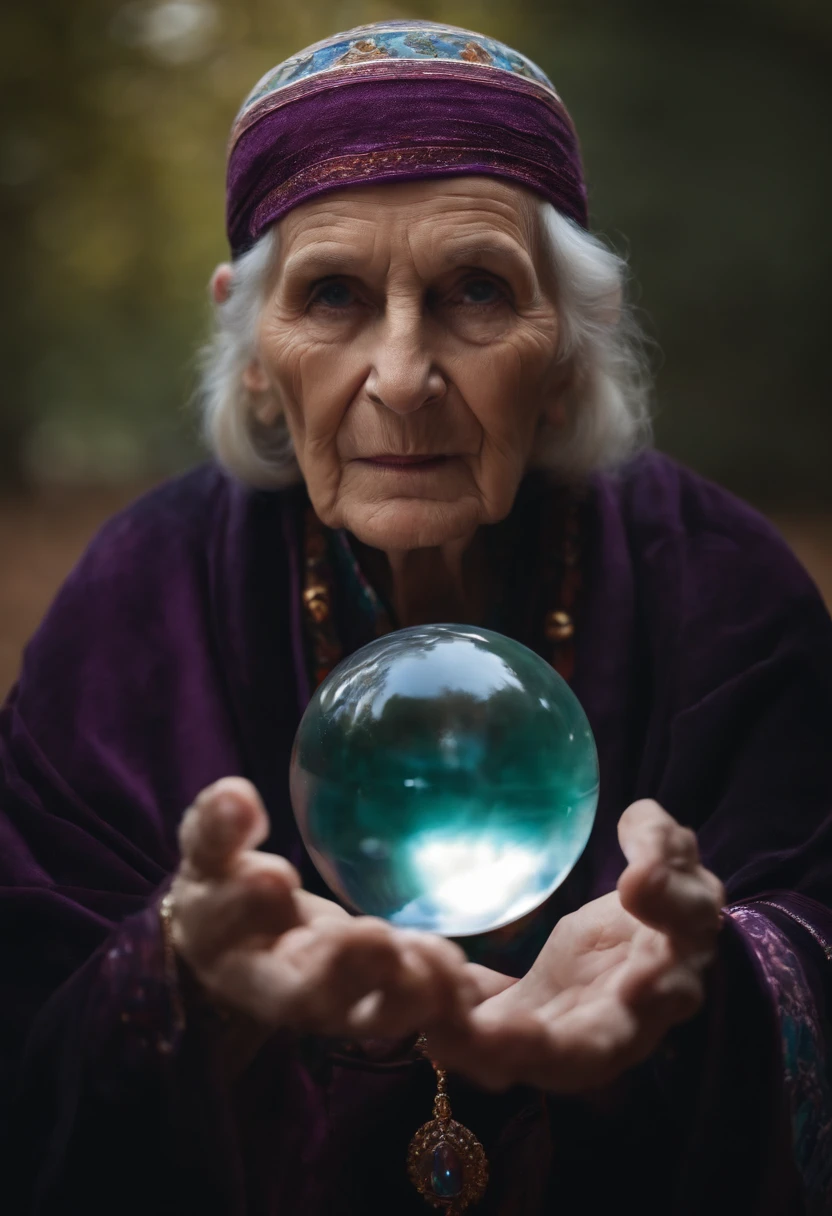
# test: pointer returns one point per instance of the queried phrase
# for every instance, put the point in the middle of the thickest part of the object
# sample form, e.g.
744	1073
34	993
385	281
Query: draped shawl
171	657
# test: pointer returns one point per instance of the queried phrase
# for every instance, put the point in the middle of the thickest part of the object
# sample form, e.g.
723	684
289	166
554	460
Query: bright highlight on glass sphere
445	778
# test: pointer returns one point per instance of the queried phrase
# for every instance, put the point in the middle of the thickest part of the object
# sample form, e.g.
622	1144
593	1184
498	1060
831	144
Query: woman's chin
412	523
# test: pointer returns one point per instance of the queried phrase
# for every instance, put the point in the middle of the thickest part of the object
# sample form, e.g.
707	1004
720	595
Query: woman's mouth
406	463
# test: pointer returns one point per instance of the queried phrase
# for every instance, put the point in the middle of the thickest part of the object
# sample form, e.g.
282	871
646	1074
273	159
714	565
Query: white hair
600	340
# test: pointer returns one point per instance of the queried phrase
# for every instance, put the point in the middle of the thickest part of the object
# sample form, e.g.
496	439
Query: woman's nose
404	376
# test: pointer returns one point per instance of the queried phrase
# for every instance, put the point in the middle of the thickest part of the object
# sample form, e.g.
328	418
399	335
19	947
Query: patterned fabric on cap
392	101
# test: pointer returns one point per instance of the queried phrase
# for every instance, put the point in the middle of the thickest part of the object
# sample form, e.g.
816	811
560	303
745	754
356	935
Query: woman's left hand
611	980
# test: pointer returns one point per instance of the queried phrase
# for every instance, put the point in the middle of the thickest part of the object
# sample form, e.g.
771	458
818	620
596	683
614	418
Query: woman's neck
428	586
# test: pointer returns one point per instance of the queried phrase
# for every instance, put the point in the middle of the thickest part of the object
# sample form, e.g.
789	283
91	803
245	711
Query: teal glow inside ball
445	778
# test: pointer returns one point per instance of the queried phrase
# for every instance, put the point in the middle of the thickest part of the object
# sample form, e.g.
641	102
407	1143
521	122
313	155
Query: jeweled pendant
447	1165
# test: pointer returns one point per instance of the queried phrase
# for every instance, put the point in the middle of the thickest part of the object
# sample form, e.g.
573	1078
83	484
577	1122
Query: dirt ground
42	536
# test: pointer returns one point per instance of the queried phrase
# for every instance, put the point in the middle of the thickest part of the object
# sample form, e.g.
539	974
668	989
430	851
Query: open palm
612	978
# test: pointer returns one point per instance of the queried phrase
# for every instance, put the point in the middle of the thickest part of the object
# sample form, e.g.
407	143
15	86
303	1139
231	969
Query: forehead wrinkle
352	250
481	252
322	235
326	260
329	242
474	233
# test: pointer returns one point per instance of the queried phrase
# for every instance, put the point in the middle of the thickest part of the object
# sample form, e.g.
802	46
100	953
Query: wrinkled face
411	343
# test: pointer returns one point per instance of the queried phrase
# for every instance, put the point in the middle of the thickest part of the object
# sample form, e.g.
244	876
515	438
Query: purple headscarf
397	100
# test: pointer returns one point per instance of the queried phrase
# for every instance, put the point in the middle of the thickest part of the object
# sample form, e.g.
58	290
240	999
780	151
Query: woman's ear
221	283
254	377
266	409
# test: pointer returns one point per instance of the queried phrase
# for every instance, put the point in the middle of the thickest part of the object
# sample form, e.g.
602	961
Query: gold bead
559	626
317	603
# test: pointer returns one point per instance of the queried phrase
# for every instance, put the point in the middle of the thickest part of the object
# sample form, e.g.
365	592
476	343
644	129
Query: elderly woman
426	400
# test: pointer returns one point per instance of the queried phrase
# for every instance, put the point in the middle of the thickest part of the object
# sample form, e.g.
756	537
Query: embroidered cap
397	100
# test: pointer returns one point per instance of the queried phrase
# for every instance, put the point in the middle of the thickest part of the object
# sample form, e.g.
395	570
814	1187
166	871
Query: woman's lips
415	463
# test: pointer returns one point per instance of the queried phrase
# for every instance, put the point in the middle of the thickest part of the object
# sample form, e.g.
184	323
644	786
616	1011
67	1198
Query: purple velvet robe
173	656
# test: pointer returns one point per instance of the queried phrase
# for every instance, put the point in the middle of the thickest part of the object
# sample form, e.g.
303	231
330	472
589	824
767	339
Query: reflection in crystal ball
444	777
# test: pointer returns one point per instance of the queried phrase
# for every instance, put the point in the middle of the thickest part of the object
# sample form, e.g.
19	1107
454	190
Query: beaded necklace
328	554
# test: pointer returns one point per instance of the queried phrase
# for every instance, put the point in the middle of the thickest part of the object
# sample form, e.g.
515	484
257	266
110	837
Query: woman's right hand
259	944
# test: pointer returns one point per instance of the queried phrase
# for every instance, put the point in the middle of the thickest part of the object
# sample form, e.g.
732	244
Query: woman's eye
333	295
481	291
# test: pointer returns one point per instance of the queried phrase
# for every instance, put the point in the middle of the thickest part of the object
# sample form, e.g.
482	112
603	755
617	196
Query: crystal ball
444	777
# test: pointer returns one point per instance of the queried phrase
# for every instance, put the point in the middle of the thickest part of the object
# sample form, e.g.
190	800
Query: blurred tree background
705	130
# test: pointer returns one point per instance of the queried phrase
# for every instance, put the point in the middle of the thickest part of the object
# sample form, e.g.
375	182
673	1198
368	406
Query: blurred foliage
705	131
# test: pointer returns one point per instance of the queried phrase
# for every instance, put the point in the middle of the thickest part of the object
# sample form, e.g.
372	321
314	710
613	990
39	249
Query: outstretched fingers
431	984
577	1047
226	819
225	894
665	885
573	1046
361	977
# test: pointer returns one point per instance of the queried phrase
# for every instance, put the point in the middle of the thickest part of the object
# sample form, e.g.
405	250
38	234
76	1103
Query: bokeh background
706	132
